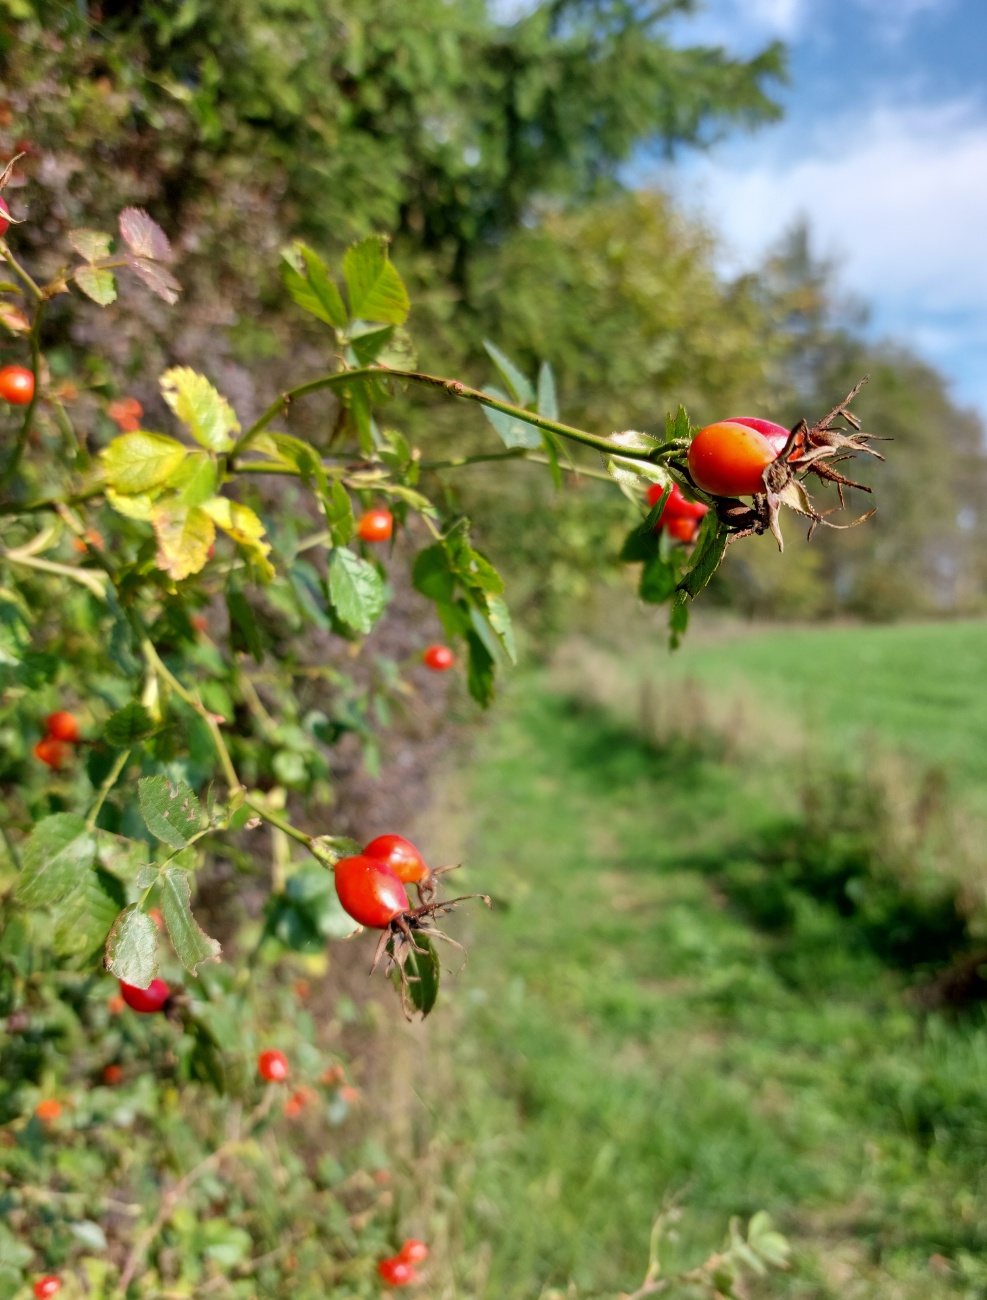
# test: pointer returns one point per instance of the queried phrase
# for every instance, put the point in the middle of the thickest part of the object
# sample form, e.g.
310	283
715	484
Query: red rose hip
376	526
47	1286
63	726
272	1065
397	1271
400	855
369	891
146	1000
16	385
54	753
439	658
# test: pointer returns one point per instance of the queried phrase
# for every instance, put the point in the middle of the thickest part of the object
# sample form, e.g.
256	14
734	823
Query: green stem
52	503
282	825
454	388
106	787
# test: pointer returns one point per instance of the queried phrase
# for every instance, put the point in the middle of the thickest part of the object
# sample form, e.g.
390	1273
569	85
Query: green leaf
128	726
195	480
61	848
121	857
90	244
170	809
376	291
185	534
641	543
312	290
707	555
208	415
500	621
132	947
244	632
517	383
678	620
548	402
97	284
137	462
432	574
480	670
339	513
629	473
355	588
423	971
368	341
192	944
678	426
658	579
82	919
512	432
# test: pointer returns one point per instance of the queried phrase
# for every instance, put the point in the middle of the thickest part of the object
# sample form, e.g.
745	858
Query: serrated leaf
184	535
548	402
244	632
518	384
90	244
368	341
170	809
376	291
356	589
157	278
137	462
706	557
339	513
82	918
98	284
678	426
143	236
500	621
511	431
629	473
658	580
313	291
192	945
423	970
59	851
13	319
121	857
131	952
479	670
242	524
432	573
207	414
128	726
195	479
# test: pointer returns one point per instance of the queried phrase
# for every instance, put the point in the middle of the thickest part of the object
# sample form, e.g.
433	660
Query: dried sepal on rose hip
373	894
749	457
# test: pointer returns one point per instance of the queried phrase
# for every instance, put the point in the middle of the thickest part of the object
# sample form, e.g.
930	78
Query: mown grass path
622	1035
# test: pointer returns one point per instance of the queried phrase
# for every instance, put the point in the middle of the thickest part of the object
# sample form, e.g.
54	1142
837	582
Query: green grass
918	688
621	1035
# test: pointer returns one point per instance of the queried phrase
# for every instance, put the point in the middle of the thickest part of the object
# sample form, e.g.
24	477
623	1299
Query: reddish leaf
157	278
144	236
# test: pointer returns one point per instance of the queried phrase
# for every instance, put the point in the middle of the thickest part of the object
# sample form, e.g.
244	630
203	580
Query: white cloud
898	195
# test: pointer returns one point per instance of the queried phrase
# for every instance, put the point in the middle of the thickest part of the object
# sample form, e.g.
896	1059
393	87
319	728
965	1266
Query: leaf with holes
191	942
170	809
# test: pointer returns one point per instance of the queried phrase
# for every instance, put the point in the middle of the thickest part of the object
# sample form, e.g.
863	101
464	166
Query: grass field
623	1035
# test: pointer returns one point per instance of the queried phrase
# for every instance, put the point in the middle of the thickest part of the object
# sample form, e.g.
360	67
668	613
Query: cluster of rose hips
399	1269
679	516
61	733
371	889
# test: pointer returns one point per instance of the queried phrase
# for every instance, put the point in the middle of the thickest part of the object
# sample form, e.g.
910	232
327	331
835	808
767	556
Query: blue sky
883	147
